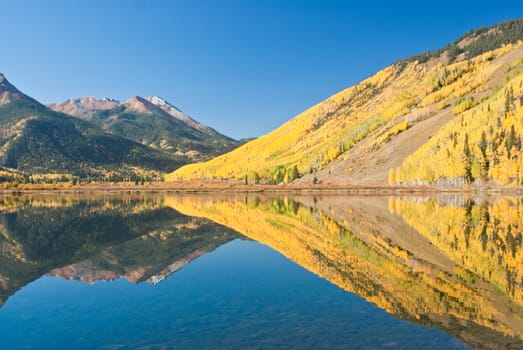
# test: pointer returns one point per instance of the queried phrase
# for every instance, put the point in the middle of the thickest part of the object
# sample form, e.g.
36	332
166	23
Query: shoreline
221	187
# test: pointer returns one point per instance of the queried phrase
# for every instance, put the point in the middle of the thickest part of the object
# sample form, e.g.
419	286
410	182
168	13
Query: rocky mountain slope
37	140
449	117
151	121
84	108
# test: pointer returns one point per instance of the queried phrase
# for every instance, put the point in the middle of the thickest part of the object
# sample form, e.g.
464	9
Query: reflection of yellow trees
485	239
9	203
382	272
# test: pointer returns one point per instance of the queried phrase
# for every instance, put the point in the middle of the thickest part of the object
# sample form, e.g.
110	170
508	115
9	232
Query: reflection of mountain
153	256
136	238
104	270
358	245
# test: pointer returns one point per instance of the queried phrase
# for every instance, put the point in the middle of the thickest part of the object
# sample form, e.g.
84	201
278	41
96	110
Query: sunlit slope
358	258
357	127
481	145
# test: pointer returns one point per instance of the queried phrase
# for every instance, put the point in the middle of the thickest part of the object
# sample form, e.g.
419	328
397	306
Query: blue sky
243	67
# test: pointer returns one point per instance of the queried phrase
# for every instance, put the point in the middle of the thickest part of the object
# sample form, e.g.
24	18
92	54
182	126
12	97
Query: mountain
9	93
450	117
84	108
89	272
35	139
153	122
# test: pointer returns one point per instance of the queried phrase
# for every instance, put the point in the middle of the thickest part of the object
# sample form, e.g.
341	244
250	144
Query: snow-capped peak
160	102
174	111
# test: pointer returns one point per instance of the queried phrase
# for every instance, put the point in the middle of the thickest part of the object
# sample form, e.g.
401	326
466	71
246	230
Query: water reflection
423	260
451	262
483	237
98	238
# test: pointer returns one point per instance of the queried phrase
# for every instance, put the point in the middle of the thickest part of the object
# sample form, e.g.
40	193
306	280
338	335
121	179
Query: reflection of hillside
136	238
358	245
486	239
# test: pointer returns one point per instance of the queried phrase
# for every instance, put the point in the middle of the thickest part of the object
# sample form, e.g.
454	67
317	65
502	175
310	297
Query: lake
168	271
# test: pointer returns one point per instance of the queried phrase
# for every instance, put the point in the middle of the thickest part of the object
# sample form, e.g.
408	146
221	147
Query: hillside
481	146
358	135
37	140
153	122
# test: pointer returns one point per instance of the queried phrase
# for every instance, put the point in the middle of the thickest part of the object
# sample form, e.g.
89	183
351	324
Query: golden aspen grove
450	117
482	144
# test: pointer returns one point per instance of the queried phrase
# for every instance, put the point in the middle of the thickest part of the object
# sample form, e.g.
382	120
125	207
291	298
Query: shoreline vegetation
236	186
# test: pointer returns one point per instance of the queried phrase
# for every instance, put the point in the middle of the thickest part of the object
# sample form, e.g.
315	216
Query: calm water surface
196	272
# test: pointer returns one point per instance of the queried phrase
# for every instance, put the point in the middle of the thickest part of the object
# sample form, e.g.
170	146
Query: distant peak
135	99
175	112
161	102
90	100
5	85
156	100
8	92
139	104
84	107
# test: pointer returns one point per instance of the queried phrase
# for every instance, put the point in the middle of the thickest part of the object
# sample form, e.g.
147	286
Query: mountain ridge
83	107
151	121
37	140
